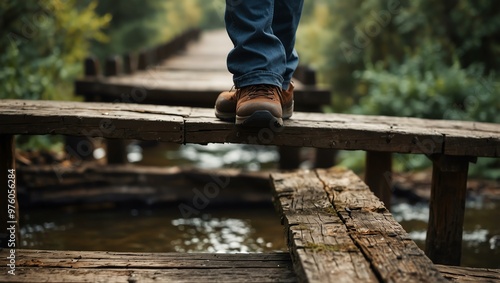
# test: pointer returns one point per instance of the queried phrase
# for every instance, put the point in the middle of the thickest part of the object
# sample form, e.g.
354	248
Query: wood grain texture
58	185
84	266
469	275
394	257
126	121
443	242
81	266
339	231
198	125
318	240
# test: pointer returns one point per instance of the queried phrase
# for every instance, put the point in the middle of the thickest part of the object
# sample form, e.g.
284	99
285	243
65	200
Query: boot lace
266	91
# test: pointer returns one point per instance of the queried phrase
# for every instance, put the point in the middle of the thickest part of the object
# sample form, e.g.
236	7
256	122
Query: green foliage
45	143
42	46
138	24
213	13
422	58
423	86
340	38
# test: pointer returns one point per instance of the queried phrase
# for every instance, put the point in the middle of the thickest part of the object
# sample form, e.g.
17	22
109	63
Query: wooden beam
319	242
378	173
112	67
84	266
173	91
338	231
9	206
394	257
129	63
91	67
443	244
289	157
325	157
197	125
143	61
116	151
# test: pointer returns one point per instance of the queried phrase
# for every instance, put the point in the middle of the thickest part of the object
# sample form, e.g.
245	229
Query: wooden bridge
337	229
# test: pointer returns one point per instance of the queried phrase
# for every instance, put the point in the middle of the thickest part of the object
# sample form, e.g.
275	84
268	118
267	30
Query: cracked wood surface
199	125
86	266
338	231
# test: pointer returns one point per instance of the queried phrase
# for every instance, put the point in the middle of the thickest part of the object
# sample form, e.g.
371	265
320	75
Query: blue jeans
263	34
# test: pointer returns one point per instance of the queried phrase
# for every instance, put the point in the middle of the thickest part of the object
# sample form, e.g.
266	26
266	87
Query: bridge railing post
443	243
378	175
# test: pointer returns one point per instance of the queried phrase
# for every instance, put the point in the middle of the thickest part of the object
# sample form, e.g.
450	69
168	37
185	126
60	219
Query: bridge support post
378	175
443	244
289	157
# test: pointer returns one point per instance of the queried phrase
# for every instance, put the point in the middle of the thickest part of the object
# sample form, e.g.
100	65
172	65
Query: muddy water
228	229
481	238
160	229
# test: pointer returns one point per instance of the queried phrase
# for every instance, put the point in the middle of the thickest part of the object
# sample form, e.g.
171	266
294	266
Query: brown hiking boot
259	106
225	105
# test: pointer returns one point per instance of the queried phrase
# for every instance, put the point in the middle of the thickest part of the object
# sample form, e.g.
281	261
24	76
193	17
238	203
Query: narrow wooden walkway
199	125
193	77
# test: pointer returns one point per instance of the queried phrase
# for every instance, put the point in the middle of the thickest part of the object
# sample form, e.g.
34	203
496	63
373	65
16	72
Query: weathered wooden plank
342	131
37	275
289	157
198	125
81	266
91	259
200	93
319	243
53	185
392	254
469	275
93	120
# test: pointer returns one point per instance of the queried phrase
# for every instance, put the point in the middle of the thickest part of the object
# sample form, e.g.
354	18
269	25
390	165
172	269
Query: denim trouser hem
258	77
263	35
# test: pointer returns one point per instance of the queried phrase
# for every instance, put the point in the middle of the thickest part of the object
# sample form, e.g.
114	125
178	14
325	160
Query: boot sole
225	116
259	119
231	116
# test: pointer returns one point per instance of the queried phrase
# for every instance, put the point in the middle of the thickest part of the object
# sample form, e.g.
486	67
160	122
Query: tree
360	40
421	58
138	24
43	44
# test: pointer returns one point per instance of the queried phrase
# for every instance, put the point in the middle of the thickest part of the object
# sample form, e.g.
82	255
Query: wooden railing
131	62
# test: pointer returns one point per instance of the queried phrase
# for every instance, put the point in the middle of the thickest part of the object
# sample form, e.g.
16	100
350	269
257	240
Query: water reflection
228	230
217	236
480	246
162	229
249	157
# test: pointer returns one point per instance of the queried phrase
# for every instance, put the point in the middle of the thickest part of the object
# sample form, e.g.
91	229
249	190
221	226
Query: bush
42	46
424	59
423	86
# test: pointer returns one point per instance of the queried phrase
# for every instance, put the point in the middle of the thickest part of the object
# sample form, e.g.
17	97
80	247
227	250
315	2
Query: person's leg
258	56
285	22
